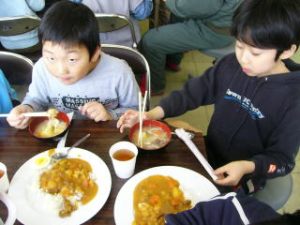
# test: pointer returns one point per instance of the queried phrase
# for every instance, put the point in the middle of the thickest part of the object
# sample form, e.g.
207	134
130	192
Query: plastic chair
16	67
10	26
113	22
276	192
135	60
18	70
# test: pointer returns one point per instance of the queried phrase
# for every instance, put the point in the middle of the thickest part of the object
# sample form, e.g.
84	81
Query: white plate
32	212
194	186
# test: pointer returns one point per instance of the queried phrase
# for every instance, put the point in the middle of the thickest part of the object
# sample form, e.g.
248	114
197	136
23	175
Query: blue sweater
6	93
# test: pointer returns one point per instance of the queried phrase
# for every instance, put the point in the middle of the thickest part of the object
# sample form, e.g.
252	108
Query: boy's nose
244	57
61	69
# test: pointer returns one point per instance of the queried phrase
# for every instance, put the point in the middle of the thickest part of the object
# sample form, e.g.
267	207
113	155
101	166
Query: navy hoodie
230	209
255	118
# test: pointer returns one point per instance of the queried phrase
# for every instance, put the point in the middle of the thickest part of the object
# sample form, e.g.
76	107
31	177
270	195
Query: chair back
113	22
10	26
276	191
135	60
17	68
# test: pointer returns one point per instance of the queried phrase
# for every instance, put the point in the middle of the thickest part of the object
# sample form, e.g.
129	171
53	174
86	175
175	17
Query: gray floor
195	63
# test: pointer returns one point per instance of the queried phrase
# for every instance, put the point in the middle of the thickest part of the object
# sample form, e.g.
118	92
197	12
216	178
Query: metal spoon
64	154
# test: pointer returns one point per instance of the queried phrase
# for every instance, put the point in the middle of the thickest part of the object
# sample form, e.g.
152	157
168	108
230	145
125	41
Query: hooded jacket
230	209
255	118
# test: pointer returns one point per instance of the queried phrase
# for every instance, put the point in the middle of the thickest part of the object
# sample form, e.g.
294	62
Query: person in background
133	9
48	4
254	131
200	24
232	209
73	74
27	42
8	95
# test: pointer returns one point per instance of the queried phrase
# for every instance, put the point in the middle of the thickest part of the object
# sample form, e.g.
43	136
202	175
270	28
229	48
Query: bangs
277	28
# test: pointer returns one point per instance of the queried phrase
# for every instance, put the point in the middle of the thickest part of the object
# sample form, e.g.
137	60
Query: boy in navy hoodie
232	209
254	132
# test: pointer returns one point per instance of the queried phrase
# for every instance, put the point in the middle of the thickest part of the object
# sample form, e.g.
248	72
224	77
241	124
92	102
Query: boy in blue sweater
254	131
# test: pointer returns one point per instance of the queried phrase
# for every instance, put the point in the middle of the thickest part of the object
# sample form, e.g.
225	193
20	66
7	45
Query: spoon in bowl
63	154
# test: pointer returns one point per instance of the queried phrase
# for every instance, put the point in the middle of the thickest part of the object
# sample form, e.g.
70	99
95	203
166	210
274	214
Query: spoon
185	137
189	134
64	154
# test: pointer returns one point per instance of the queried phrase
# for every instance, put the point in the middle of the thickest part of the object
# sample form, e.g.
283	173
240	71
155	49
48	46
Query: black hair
285	219
70	23
268	24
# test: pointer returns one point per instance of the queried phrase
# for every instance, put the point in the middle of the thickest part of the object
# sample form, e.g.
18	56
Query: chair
112	22
160	14
276	192
135	60
17	69
10	26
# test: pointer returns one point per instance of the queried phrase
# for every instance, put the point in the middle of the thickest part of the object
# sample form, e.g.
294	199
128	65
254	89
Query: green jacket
216	12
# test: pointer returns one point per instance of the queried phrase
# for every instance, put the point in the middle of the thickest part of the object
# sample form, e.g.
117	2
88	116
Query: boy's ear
288	53
96	54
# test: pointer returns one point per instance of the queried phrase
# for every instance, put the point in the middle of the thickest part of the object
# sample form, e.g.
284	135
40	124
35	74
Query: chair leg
276	192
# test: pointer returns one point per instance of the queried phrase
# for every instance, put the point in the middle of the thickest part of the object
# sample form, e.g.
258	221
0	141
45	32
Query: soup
152	137
156	196
70	178
50	128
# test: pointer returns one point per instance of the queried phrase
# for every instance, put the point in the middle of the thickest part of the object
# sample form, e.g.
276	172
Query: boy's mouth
65	79
246	70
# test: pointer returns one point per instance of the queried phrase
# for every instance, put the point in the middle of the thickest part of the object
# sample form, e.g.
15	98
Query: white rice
41	201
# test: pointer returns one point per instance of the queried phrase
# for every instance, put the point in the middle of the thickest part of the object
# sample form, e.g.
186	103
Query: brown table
17	146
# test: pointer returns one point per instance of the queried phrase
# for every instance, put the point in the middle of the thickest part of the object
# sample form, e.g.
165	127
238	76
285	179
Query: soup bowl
38	124
155	135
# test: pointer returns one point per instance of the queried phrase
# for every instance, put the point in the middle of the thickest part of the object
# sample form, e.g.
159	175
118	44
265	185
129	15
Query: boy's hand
129	118
17	119
95	111
231	173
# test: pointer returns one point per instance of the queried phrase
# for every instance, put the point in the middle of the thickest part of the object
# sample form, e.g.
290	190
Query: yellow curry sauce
71	178
155	197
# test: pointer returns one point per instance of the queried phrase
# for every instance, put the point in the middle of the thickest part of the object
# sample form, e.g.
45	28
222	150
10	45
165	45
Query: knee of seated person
151	40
